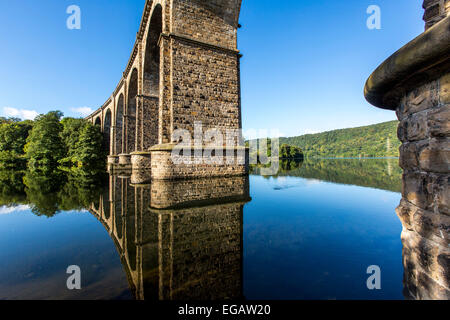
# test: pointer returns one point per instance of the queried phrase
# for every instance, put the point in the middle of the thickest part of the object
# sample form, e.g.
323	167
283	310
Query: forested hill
379	140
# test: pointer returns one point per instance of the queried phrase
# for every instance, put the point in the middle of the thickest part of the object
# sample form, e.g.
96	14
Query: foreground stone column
415	82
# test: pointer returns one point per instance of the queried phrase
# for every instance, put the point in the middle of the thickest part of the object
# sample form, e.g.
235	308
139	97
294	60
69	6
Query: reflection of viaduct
184	68
178	241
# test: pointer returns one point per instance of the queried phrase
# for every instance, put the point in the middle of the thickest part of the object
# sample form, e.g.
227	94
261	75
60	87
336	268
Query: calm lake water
310	232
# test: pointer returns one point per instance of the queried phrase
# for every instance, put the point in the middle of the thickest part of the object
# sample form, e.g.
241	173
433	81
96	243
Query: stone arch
148	111
152	54
98	121
107	123
119	125
131	112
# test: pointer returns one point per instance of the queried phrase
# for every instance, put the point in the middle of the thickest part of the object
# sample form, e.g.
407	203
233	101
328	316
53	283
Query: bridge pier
141	167
184	69
125	161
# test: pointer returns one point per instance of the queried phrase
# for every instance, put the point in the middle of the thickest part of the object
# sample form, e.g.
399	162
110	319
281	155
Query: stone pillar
139	125
112	147
165	124
415	82
113	158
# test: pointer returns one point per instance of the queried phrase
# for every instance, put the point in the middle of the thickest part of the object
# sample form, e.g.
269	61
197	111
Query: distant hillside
379	140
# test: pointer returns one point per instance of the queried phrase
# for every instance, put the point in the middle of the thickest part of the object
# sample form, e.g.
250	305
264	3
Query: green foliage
373	173
89	149
44	148
83	144
49	143
65	161
70	136
290	152
42	191
12	189
81	189
51	192
378	140
8	120
13	136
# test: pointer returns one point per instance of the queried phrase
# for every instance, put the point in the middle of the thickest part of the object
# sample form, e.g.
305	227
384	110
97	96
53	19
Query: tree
70	136
13	136
89	152
44	148
290	152
9	120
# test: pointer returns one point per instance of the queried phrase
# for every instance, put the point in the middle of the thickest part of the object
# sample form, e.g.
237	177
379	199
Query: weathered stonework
188	193
163	167
184	68
421	98
435	11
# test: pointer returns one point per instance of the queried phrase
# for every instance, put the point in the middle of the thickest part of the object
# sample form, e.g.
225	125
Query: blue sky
303	70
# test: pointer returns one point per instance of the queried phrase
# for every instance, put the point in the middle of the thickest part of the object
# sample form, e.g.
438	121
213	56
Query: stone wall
210	21
205	87
148	123
435	10
424	129
164	168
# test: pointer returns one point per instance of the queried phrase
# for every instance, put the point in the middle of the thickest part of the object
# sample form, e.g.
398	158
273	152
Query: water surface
308	233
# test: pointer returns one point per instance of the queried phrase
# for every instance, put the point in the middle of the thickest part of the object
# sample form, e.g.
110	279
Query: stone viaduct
415	82
177	240
184	68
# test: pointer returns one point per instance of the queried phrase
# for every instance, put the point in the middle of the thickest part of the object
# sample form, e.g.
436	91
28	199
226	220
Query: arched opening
152	56
151	82
119	126
131	112
98	122
107	131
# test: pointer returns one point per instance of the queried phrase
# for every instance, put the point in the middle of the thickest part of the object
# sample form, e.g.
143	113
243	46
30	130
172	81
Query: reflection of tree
288	165
50	192
12	189
42	191
374	173
81	189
